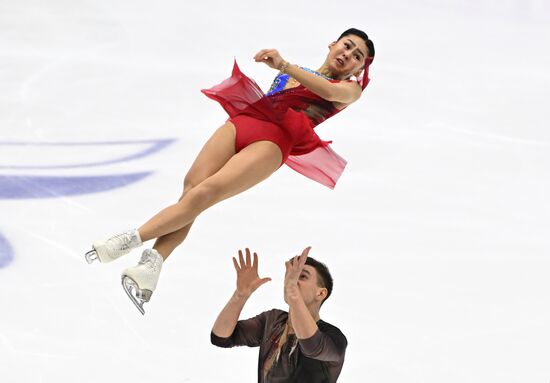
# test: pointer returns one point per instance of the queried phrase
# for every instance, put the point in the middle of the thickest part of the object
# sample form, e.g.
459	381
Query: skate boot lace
120	243
151	260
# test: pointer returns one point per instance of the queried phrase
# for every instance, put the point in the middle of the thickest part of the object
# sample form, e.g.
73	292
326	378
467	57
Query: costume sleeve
248	332
328	345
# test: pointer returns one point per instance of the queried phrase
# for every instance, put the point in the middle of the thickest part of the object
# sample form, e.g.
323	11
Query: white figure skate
114	247
140	281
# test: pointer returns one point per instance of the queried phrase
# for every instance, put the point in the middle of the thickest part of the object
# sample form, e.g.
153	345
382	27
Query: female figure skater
262	133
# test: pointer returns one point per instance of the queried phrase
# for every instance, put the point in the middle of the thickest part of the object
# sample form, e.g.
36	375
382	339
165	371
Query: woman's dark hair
324	279
363	35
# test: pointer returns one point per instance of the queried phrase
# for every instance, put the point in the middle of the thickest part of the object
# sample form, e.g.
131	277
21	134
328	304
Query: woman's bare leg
166	244
245	169
214	154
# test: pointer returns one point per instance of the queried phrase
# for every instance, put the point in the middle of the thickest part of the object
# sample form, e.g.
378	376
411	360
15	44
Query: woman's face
347	56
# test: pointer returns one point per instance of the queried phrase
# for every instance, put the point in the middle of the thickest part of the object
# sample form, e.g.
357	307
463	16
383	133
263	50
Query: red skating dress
286	118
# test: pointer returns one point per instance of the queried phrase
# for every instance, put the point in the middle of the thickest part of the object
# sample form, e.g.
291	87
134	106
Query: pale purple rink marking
36	186
153	147
25	187
6	252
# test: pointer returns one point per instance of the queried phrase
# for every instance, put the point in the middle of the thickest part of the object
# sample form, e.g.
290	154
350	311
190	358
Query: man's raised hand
247	274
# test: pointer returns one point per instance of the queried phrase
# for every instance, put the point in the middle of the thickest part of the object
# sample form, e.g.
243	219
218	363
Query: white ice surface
437	233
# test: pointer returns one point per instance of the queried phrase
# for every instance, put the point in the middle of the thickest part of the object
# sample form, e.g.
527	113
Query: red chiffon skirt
258	117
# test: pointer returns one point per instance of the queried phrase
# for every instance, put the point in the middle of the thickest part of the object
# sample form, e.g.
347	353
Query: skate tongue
136	238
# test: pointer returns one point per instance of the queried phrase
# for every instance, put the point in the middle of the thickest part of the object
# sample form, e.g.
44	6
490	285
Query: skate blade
137	296
91	256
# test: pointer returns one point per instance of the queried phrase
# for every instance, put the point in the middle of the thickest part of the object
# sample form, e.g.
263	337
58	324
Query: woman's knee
189	182
204	195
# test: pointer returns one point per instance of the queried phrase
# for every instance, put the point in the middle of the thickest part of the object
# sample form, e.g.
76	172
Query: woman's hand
270	57
247	274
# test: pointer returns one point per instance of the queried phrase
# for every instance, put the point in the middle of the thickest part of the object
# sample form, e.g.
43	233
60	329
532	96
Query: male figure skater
295	346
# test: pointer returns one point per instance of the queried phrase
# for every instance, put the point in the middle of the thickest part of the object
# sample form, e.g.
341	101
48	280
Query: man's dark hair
363	35
324	279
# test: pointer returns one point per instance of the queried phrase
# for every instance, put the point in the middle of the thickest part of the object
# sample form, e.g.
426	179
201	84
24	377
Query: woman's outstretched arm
344	92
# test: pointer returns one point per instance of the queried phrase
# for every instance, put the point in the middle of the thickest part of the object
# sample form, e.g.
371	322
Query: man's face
309	289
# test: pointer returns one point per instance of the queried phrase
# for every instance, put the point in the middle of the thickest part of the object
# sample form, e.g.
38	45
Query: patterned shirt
318	359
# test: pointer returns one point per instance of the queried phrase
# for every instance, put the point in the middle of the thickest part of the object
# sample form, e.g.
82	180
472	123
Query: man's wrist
292	291
240	296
